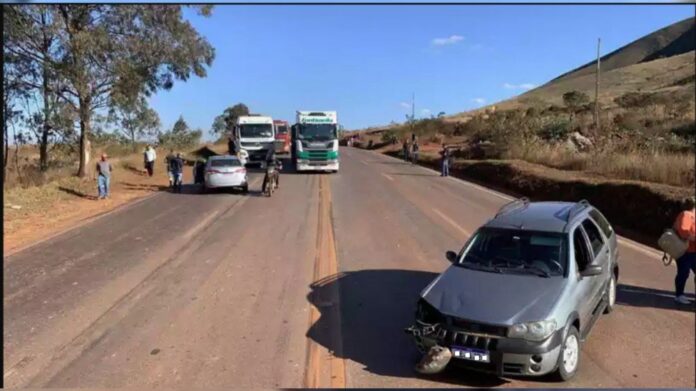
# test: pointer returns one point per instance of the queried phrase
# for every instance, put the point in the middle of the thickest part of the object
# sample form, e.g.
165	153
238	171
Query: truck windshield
512	251
318	132
282	129
256	130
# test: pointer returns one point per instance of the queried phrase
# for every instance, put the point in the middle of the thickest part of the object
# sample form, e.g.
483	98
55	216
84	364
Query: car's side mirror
592	270
451	256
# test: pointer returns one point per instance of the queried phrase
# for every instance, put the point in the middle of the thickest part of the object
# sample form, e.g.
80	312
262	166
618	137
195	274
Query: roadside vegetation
644	136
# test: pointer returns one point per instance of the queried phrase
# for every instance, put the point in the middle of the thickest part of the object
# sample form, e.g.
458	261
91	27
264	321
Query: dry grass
676	169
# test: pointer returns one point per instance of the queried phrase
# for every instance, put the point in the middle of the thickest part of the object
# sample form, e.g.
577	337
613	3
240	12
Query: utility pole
413	111
597	90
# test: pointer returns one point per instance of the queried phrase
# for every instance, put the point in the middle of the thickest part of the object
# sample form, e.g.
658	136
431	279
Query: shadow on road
376	306
636	296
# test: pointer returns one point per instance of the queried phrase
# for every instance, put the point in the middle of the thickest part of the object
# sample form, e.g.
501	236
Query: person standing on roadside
405	148
414	152
150	157
176	166
104	170
445	153
167	161
685	227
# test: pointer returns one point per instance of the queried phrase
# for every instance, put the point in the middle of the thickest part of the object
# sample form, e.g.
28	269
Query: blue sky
366	61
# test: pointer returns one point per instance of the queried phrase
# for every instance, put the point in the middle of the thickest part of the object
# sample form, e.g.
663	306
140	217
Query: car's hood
494	298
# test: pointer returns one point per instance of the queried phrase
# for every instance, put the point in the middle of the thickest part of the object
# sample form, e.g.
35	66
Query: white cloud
479	101
523	86
451	40
405	105
425	111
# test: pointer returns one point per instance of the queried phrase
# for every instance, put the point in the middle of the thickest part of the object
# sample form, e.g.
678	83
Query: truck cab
315	141
282	136
256	135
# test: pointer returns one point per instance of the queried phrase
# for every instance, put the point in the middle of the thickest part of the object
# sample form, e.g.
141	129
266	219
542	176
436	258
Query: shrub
555	131
389	136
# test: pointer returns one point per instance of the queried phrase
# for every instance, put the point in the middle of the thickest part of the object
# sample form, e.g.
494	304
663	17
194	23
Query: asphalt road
311	287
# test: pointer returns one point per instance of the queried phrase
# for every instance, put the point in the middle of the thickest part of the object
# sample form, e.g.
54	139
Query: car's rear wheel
245	189
610	294
569	356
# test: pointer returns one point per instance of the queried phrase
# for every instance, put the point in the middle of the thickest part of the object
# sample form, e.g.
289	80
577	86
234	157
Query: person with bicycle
176	167
272	168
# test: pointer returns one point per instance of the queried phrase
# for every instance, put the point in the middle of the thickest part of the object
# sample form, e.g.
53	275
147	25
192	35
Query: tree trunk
43	143
85	118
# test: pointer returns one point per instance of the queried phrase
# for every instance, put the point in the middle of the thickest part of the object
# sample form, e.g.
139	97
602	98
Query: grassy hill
647	105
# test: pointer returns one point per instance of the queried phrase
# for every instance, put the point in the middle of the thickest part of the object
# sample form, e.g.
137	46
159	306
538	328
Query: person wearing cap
104	170
685	227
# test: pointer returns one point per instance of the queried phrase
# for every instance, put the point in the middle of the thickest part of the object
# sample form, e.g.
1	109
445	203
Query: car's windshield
256	130
516	252
282	129
225	163
318	132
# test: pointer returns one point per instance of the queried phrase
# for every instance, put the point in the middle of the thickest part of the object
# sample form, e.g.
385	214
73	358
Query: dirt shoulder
38	212
640	210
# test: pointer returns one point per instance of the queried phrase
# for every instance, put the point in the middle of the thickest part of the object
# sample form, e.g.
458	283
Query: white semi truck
255	135
315	141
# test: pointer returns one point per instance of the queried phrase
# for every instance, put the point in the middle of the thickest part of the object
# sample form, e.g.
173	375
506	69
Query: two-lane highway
311	287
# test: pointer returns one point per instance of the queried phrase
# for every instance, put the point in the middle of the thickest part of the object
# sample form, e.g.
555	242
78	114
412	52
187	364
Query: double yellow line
325	368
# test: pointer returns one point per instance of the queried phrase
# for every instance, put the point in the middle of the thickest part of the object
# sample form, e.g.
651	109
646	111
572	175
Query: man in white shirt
150	157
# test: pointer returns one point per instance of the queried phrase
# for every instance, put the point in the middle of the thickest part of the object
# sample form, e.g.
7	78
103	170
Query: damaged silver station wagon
523	293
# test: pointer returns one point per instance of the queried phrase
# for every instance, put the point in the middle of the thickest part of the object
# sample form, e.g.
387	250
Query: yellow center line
325	368
452	223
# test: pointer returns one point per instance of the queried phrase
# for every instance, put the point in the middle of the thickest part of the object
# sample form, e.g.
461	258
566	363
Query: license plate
470	354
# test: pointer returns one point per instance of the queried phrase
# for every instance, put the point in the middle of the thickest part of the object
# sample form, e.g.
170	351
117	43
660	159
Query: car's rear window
225	163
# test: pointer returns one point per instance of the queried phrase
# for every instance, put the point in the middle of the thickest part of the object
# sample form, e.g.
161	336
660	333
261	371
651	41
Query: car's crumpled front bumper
508	356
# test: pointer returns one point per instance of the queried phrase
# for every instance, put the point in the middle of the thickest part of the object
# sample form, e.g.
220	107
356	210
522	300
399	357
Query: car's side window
603	223
582	251
596	240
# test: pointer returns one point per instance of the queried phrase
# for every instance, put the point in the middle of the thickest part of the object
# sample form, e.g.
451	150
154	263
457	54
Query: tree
573	100
224	122
440	114
180	137
136	119
109	51
30	43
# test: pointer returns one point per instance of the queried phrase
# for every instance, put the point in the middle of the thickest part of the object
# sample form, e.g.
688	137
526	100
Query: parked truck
282	136
315	141
255	134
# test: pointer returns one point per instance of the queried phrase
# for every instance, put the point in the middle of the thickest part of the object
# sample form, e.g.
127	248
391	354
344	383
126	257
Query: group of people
173	162
411	149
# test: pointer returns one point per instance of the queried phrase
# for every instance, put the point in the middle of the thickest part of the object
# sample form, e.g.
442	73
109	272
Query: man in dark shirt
445	160
271	162
176	167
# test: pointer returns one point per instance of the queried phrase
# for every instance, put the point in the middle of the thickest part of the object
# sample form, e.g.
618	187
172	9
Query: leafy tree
180	137
30	47
105	51
574	99
224	122
136	119
440	114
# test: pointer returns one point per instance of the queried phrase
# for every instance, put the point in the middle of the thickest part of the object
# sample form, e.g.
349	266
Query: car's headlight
533	331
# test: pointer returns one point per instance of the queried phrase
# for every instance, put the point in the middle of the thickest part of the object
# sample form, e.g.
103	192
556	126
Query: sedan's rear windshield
225	163
517	251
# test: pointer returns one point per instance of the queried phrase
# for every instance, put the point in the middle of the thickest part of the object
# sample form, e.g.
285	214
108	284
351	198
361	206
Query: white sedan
226	172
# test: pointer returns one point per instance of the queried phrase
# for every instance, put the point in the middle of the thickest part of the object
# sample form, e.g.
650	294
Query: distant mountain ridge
673	40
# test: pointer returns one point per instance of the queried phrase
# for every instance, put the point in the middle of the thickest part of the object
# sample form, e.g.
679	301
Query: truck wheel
569	356
610	294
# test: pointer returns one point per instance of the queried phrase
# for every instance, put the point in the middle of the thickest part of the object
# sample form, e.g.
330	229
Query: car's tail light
213	172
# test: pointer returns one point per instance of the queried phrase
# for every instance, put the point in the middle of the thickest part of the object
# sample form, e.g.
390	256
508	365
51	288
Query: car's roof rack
514	205
575	210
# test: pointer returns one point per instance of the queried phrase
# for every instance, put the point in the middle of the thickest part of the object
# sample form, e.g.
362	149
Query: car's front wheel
569	357
610	294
